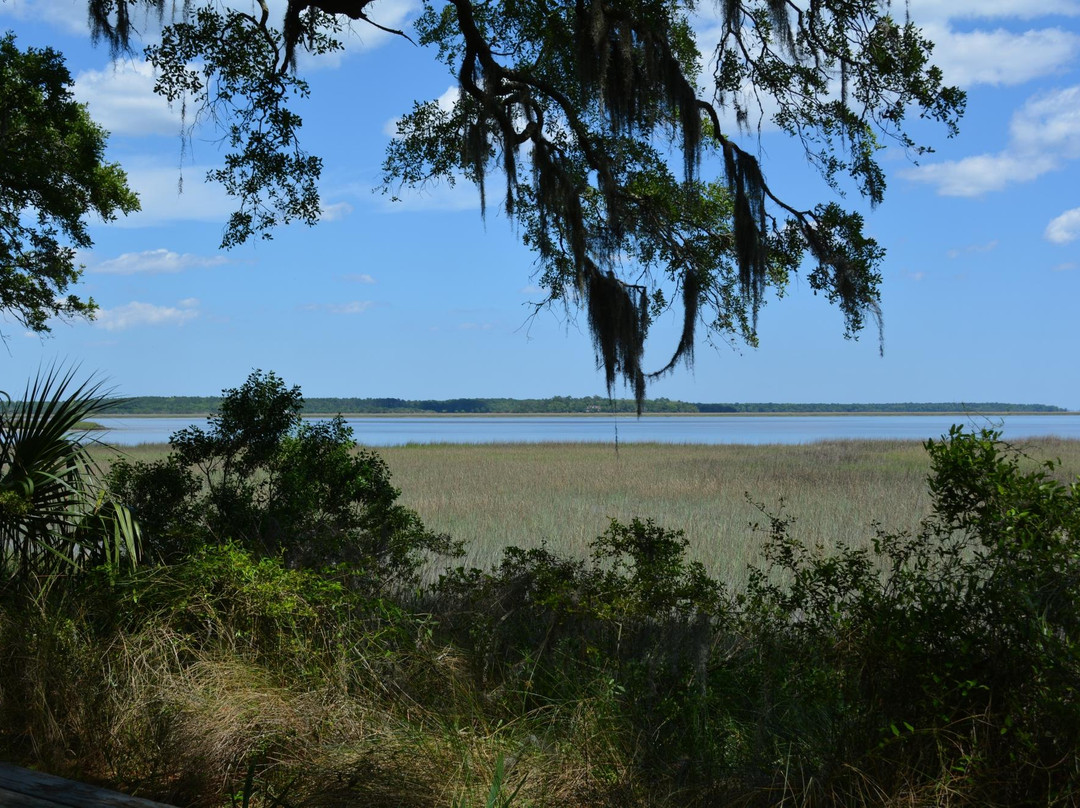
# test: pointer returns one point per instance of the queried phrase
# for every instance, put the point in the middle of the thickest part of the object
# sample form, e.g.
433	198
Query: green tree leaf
52	177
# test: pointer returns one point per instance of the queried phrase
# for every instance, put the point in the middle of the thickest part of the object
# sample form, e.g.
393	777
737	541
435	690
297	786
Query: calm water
664	429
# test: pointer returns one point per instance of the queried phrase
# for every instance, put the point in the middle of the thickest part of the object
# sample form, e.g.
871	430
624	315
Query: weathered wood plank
38	790
13	799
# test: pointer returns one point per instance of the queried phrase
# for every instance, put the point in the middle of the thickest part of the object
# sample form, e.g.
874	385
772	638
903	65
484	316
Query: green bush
55	516
631	627
164	494
279	486
948	656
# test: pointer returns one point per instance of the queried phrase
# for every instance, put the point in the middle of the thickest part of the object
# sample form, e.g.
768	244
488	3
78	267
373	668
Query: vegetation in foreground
234	665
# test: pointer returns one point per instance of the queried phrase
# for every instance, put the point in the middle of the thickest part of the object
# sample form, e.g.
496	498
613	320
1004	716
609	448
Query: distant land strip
561	405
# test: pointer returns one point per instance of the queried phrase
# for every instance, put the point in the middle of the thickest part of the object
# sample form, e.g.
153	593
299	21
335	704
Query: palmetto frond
54	515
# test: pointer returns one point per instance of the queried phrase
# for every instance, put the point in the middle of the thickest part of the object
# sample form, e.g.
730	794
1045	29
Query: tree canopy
608	122
53	174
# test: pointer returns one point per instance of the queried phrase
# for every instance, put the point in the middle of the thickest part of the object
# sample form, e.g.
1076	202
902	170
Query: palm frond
54	515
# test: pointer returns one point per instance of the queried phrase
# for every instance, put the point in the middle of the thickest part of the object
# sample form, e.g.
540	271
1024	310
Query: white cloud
335	212
68	15
980	174
136	314
926	10
475	326
973	248
156	262
358	278
352	307
1044	134
1000	57
159	193
463	195
445	101
1050	121
1064	228
361	36
121	98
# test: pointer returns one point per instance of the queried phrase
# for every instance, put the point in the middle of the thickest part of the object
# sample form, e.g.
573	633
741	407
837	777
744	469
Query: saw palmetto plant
55	517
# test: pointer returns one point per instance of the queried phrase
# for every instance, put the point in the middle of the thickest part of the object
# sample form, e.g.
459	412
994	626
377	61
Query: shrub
54	515
261	476
165	496
948	656
631	629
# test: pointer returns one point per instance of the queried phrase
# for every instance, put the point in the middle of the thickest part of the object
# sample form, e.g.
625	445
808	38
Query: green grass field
496	495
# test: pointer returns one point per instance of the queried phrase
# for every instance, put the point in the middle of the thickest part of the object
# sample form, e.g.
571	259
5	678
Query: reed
563	495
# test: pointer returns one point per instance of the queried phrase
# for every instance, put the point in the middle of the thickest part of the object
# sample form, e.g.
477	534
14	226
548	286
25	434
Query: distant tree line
187	405
895	407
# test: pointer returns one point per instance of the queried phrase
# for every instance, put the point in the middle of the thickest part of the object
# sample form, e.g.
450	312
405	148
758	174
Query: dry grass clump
174	696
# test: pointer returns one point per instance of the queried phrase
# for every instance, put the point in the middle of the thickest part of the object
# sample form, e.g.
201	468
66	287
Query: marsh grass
492	496
497	495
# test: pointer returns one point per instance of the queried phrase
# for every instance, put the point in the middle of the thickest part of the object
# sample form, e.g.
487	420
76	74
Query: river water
748	429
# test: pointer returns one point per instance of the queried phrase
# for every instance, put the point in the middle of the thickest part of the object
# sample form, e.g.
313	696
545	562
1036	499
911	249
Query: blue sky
424	299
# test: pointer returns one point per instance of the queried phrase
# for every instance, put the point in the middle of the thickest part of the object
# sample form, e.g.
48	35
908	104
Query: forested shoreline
563	405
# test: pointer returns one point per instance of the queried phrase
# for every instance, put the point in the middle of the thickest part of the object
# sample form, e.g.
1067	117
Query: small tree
276	484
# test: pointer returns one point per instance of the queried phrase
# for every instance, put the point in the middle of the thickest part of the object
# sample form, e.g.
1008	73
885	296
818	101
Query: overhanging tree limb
619	172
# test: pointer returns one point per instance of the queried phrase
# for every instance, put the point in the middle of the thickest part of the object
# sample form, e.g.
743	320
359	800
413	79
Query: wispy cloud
61	13
135	314
156	262
462	195
335	212
989	246
358	277
1064	228
925	10
1044	135
169	194
352	307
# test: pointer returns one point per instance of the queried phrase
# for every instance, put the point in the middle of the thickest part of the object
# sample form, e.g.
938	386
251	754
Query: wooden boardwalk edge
24	788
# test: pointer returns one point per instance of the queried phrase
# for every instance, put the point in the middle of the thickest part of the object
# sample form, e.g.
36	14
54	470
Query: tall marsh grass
492	496
497	495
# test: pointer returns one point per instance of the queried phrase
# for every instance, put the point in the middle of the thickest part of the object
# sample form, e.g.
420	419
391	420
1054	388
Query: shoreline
473	415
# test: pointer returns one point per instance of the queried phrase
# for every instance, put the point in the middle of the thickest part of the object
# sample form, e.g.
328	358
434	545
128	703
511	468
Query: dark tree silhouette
610	137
